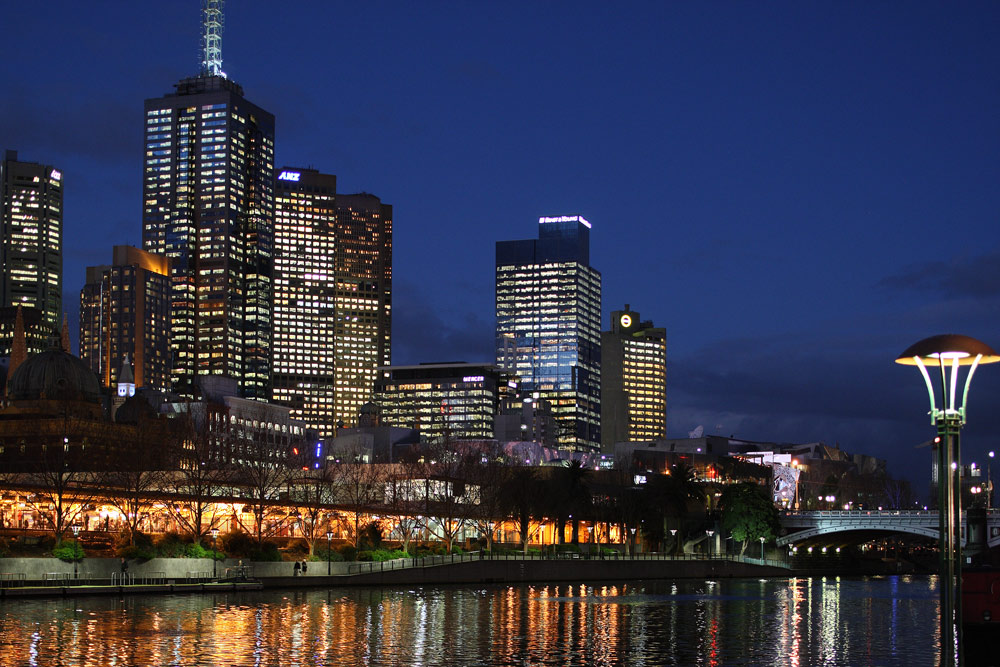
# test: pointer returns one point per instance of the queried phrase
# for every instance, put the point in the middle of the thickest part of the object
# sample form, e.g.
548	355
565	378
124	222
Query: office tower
332	300
125	317
362	264
304	296
633	380
31	212
208	205
548	307
448	401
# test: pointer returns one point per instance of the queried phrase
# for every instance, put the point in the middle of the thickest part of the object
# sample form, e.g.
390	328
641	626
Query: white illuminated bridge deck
804	525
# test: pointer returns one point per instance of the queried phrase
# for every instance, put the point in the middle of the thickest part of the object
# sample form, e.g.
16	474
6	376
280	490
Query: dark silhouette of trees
748	513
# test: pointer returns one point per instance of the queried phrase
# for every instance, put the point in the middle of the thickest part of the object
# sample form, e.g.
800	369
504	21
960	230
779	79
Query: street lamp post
944	352
989	483
76	535
761	548
215	553
329	536
711	549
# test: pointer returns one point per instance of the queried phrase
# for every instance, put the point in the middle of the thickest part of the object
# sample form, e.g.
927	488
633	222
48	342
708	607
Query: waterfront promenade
33	577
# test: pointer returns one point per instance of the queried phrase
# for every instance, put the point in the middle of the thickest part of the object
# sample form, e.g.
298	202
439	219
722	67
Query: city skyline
768	184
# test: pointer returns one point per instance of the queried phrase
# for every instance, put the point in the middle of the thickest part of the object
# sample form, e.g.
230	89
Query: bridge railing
791	514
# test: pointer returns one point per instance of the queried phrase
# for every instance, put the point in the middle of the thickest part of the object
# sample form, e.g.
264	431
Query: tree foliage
748	513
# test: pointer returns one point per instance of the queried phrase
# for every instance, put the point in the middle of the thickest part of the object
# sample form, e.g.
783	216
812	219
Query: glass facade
548	309
208	205
31	215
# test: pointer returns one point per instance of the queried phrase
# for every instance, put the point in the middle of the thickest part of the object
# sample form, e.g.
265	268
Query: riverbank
50	577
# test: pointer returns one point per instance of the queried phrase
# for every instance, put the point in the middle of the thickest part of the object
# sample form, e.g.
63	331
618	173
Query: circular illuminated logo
626	321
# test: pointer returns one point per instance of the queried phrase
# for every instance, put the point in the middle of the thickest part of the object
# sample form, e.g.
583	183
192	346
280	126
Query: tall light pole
76	537
944	352
215	553
761	548
989	483
329	536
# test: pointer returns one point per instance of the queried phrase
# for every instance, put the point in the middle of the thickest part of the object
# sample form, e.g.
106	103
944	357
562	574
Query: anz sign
289	176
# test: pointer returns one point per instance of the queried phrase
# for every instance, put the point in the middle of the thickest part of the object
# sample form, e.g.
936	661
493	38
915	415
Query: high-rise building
125	318
362	264
548	307
332	299
304	296
446	401
31	215
208	205
633	380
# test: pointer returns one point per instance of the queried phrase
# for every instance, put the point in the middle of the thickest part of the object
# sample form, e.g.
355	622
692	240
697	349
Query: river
890	620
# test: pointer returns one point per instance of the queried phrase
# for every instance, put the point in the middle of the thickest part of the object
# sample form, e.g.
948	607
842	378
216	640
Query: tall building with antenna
208	206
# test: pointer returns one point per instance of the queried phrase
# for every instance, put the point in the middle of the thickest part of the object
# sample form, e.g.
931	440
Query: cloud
426	332
970	276
829	386
100	128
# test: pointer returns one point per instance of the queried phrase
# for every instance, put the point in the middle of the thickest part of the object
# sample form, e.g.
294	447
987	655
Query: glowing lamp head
947	349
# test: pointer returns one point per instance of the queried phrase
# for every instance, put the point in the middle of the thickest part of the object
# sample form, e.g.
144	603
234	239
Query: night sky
796	191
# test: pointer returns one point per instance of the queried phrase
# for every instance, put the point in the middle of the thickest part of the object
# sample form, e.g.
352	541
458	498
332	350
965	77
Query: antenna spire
212	23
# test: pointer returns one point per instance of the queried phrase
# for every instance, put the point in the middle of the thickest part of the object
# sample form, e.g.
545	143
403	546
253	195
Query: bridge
799	526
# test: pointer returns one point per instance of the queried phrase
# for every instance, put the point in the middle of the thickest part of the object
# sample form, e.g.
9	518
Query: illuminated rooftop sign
56	175
289	176
565	218
472	378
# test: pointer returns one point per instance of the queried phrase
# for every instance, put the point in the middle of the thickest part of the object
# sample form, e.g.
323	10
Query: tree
449	495
359	488
488	474
137	474
571	498
522	493
314	493
263	465
670	497
748	513
198	477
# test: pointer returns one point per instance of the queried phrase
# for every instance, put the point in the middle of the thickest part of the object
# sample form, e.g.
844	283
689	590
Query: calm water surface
818	621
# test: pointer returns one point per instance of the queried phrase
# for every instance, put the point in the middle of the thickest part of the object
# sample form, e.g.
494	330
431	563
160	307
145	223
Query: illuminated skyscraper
363	267
125	313
208	205
31	213
333	297
633	380
548	307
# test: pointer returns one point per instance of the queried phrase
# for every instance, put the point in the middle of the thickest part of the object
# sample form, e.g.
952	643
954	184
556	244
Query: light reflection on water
819	621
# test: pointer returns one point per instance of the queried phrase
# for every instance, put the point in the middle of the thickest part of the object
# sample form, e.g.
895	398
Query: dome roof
54	375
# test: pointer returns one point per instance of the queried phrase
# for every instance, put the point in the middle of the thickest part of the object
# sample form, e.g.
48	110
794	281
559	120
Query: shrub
69	551
322	554
4	548
237	544
268	551
198	551
172	545
348	552
371	536
141	548
380	555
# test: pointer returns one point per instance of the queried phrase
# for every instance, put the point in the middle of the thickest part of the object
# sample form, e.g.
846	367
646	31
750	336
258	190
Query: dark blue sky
796	191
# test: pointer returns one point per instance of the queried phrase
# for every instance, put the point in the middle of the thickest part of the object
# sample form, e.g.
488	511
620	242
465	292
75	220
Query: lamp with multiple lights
949	353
